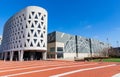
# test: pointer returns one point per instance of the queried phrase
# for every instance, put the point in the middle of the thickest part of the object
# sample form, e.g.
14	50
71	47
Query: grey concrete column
44	54
32	55
56	55
11	55
21	55
5	56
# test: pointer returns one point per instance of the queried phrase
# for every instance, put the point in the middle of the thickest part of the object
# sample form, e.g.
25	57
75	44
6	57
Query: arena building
25	35
66	46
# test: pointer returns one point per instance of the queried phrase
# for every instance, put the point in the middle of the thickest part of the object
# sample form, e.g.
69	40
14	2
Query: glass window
31	45
25	45
35	40
59	48
38	45
29	16
41	35
36	17
35	35
33	13
52	49
39	13
36	22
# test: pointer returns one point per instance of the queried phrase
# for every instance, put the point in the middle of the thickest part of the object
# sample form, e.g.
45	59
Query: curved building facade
25	35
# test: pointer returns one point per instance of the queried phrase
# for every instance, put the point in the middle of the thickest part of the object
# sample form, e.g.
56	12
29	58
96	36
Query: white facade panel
69	56
73	55
26	30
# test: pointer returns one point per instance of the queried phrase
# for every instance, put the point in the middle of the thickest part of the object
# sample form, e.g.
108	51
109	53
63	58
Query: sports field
58	69
108	60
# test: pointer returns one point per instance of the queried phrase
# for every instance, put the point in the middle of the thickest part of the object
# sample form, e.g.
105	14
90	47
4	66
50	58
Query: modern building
99	48
66	46
25	35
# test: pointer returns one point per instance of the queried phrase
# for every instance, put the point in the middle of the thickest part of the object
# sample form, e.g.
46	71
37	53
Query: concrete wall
73	55
54	45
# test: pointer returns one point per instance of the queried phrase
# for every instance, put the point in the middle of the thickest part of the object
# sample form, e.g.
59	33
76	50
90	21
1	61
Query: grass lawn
108	60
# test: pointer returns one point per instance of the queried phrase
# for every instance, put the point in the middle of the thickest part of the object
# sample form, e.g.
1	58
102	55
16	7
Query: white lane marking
48	69
8	70
116	75
80	70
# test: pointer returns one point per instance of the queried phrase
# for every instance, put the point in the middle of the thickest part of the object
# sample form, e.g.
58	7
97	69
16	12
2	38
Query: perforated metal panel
83	44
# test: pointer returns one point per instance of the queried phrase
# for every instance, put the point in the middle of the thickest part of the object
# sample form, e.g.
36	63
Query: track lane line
116	75
48	69
86	69
104	72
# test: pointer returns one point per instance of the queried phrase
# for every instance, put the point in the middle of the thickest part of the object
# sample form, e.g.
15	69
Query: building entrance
32	55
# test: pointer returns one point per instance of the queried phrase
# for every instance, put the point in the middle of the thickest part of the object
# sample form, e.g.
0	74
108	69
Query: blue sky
99	19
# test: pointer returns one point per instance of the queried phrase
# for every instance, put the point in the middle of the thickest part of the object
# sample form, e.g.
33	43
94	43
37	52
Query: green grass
108	60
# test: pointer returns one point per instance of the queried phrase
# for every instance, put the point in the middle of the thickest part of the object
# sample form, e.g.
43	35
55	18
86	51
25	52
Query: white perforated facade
26	31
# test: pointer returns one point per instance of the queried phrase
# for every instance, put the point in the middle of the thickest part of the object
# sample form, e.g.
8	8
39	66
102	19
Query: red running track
58	69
